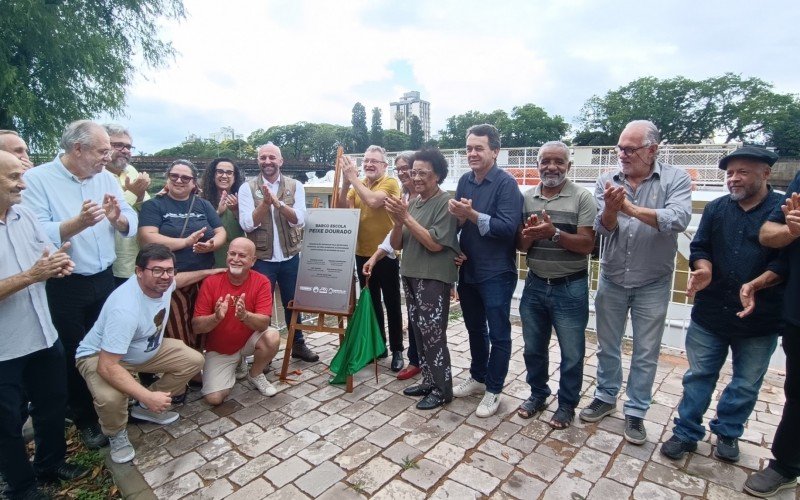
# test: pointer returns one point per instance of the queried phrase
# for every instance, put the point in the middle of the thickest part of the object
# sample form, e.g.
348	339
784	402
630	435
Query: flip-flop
531	407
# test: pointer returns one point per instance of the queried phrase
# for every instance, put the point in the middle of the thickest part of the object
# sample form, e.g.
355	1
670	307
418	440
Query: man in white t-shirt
129	336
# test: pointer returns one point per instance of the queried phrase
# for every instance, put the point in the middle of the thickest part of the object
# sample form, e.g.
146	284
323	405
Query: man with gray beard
558	237
736	306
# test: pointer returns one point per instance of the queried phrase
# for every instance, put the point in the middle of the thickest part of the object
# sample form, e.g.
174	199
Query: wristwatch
556	236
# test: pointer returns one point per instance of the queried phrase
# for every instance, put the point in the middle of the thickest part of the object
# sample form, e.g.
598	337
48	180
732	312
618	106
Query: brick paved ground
315	440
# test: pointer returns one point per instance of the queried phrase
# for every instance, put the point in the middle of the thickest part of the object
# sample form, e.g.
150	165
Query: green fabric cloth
418	261
362	341
233	230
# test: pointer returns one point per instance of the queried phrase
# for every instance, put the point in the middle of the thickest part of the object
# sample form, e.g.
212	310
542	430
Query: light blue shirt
26	326
54	194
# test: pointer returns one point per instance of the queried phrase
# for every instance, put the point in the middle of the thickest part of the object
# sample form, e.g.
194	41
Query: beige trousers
174	359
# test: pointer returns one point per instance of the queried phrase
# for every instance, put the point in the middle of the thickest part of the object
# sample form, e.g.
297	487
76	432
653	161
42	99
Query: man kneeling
129	336
234	308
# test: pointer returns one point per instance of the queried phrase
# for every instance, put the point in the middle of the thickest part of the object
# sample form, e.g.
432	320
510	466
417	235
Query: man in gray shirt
641	209
31	356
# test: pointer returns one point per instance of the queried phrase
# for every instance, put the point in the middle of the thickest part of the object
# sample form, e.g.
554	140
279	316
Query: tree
360	133
65	60
325	139
783	130
397	141
416	134
530	125
686	111
455	132
376	132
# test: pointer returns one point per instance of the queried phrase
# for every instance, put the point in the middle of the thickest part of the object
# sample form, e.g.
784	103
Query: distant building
410	104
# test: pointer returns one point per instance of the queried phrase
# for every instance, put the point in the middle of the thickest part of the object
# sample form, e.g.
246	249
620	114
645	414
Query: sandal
531	407
562	418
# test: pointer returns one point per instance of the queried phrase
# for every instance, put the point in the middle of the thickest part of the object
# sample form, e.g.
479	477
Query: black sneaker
675	448
93	437
767	482
597	410
634	430
63	472
727	449
301	351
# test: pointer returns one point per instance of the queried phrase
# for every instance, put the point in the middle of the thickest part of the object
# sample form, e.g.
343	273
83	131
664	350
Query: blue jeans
285	275
648	307
487	307
564	307
41	378
707	352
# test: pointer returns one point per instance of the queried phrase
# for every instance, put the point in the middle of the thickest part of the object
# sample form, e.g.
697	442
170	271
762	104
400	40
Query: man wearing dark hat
737	306
782	230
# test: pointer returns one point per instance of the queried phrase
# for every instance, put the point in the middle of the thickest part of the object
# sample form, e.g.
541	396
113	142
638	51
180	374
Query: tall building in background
410	104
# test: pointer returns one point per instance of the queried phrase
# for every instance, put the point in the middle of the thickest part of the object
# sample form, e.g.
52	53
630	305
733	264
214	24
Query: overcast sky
253	64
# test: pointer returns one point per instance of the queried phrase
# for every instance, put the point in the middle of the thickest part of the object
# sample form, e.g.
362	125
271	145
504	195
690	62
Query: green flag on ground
362	341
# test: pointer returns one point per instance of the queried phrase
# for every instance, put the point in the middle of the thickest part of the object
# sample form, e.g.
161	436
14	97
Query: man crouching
129	337
234	308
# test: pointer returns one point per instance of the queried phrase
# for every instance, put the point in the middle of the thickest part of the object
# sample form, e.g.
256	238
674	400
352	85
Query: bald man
11	142
234	309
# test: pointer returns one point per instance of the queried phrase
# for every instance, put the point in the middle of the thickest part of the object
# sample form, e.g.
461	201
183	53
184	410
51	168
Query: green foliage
686	111
376	131
455	131
530	125
396	140
359	131
783	130
70	59
410	463
416	134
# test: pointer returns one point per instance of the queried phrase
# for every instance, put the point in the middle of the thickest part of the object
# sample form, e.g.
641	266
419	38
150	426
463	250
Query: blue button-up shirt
728	237
55	195
25	323
634	253
489	245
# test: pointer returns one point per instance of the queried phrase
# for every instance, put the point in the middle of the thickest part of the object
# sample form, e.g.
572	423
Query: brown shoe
301	351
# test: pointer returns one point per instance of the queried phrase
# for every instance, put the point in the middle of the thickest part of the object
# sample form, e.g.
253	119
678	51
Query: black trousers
39	378
786	444
75	303
385	280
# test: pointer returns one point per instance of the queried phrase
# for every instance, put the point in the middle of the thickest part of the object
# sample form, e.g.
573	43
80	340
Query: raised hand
91	213
791	211
49	266
397	209
221	307
461	209
349	170
268	198
241	310
614	197
139	185
111	208
232	201
193	238
223	202
539	228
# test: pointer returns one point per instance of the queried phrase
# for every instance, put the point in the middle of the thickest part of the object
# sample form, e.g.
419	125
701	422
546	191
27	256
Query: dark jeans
707	352
75	303
385	280
786	444
39	377
564	307
486	307
285	275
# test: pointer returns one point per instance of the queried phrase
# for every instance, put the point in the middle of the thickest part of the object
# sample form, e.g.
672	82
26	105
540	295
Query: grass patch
410	463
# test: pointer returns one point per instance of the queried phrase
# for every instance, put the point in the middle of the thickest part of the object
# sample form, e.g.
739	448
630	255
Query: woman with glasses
219	185
189	226
427	233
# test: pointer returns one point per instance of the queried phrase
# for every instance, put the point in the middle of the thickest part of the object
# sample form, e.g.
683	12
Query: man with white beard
234	308
558	237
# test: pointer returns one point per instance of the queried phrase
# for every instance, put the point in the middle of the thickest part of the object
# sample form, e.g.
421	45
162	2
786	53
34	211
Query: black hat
753	152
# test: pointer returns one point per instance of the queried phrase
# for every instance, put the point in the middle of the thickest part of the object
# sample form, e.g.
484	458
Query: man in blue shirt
75	199
782	230
736	306
488	205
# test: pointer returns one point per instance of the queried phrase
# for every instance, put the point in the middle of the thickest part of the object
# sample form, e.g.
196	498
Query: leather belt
562	280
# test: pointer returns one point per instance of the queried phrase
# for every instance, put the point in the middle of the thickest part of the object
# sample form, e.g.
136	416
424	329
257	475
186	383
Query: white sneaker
261	383
140	412
468	388
488	405
242	369
121	448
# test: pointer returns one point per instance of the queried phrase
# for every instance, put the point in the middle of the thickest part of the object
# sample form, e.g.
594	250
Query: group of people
106	282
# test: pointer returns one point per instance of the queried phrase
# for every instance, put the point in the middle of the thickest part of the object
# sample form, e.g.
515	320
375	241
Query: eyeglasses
159	271
227	173
119	146
630	151
179	177
419	173
370	161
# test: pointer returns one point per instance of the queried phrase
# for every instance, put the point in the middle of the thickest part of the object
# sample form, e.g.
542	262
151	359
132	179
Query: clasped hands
223	303
538	228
